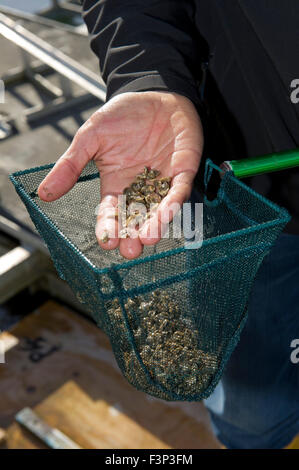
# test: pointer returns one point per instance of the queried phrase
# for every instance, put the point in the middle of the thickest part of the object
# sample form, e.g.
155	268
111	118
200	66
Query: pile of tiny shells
167	343
160	344
142	199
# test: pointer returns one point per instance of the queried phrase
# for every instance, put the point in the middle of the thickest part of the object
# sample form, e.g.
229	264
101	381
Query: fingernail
45	191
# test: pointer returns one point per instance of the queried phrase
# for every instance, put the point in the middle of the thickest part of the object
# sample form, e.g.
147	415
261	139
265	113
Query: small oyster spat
153	198
124	233
153	174
105	237
162	186
168	344
147	189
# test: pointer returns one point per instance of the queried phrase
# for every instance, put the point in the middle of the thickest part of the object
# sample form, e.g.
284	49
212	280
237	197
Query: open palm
160	130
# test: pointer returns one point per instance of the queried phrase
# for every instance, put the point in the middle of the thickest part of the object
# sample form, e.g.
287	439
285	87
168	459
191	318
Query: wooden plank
13	258
52	437
62	366
19	268
2	437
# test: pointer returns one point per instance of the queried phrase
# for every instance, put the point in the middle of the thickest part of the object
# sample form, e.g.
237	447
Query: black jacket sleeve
145	45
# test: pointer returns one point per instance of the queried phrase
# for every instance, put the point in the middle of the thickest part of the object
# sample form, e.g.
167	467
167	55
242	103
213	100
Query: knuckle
68	160
80	132
94	118
86	127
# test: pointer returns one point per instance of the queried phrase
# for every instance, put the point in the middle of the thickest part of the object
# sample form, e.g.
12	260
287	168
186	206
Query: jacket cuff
156	82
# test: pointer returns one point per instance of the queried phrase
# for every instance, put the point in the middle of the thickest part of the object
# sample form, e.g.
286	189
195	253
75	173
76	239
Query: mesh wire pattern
174	315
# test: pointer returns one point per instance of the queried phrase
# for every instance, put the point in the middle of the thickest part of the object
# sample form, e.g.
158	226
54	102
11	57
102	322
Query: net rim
284	218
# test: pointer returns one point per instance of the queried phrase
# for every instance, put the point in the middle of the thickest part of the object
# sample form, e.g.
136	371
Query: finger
179	192
68	168
107	223
156	227
150	232
153	230
130	248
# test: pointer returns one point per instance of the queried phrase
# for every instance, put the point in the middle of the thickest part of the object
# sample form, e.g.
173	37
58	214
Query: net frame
93	273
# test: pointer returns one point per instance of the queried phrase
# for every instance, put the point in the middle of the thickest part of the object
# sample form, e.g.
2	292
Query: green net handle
263	163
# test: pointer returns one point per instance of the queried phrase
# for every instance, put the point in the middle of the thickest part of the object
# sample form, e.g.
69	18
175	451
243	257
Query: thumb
68	168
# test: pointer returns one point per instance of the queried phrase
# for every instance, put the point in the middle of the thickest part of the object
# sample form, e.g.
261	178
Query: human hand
160	130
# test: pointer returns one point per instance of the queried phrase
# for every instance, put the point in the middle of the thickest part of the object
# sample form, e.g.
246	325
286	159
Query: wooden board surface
62	366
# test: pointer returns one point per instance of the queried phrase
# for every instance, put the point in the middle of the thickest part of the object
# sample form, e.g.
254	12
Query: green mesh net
174	315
